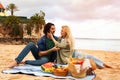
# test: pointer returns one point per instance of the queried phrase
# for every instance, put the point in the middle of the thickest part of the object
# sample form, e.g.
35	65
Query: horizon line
98	38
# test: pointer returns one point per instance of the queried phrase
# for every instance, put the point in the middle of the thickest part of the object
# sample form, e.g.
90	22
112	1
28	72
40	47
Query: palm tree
38	21
11	7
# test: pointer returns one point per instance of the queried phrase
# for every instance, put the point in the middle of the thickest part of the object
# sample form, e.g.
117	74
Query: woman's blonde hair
69	36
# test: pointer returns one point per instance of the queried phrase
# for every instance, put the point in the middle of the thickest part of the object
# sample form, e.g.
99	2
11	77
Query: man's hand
41	53
55	48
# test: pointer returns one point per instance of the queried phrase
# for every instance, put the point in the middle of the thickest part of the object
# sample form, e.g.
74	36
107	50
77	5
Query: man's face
52	29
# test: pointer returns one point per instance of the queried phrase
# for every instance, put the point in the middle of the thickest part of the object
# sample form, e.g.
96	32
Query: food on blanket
56	66
60	71
48	67
78	62
75	60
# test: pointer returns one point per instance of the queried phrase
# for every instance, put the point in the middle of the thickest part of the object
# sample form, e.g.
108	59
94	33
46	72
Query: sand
9	52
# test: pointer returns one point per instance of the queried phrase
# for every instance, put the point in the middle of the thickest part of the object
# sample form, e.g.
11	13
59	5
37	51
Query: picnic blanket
36	71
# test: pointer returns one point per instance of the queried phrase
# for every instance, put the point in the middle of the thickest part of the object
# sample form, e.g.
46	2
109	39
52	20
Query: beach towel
37	71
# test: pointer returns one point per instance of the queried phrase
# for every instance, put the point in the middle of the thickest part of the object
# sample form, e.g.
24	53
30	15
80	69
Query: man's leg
29	47
37	62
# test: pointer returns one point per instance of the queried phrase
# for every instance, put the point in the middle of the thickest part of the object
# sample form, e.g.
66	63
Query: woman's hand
50	35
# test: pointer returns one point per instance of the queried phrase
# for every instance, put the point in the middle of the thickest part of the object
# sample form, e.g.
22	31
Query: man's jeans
38	60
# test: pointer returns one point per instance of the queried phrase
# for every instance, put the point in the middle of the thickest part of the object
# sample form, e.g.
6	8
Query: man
45	51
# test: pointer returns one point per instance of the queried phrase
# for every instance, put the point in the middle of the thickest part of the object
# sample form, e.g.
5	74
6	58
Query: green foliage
15	30
2	18
11	20
12	23
38	20
28	28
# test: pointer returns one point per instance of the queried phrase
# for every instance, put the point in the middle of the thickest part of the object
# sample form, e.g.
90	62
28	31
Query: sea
98	44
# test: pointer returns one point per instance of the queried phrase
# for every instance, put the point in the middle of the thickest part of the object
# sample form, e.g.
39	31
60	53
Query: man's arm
41	53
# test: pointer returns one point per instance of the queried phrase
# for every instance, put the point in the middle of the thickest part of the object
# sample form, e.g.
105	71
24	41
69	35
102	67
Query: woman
66	45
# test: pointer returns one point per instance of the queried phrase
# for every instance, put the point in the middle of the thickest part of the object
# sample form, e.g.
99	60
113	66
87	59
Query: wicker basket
60	72
74	72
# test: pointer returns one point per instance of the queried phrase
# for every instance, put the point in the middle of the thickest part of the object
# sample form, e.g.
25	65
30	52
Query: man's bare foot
14	63
23	62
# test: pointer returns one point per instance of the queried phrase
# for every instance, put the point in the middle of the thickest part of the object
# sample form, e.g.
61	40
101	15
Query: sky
86	18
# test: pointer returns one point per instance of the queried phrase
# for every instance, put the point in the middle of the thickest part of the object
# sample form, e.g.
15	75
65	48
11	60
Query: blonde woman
66	45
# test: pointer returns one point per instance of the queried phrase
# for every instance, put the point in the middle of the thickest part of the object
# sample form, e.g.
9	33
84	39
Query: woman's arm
61	44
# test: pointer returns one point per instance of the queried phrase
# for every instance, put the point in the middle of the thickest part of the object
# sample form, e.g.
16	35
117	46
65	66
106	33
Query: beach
9	52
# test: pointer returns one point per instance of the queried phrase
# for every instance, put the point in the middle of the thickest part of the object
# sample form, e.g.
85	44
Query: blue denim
31	47
98	62
42	46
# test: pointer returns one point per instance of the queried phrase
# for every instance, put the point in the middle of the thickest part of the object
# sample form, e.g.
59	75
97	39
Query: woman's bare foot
94	66
107	66
14	63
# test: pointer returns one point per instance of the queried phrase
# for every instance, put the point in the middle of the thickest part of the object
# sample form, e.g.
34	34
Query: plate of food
47	67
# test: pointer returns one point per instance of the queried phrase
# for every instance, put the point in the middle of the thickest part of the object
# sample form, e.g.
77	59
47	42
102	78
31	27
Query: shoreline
9	52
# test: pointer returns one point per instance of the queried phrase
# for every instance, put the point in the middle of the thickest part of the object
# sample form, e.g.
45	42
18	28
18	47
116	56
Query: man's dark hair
47	28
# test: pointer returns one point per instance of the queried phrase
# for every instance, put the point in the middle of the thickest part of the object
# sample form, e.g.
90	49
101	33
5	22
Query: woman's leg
93	64
98	62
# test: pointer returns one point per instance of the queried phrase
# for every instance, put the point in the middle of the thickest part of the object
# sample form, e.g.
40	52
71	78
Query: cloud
105	9
89	18
25	7
72	10
77	10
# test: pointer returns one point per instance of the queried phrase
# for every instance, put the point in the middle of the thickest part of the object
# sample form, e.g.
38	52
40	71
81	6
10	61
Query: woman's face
63	33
